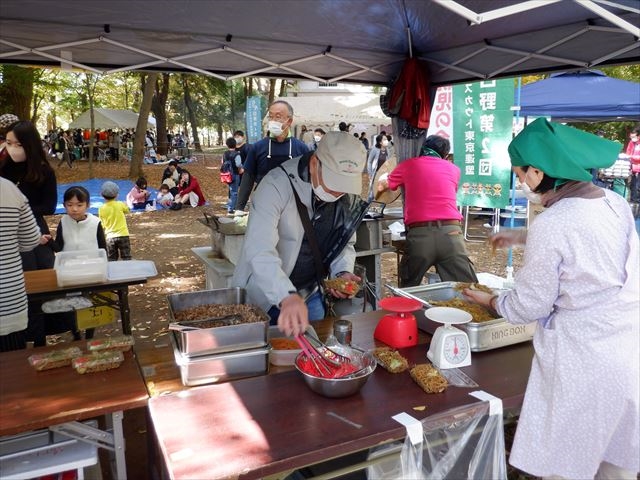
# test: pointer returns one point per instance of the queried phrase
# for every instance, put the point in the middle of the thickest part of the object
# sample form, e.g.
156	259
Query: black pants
634	188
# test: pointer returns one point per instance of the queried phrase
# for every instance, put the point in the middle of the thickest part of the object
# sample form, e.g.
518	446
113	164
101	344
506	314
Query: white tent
331	110
106	118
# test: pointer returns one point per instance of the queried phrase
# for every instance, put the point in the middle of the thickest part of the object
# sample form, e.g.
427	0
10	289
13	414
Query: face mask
239	140
275	128
16	153
531	196
385	143
317	138
323	195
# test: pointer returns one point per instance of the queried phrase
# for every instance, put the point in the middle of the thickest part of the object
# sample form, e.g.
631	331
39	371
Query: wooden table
264	425
58	399
41	285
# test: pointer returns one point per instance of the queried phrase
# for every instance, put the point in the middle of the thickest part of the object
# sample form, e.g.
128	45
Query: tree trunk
135	167
16	90
272	90
283	88
192	114
90	90
159	109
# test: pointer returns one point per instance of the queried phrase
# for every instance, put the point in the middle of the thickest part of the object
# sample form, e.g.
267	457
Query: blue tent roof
588	96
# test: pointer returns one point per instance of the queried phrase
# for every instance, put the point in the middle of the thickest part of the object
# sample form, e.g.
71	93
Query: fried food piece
348	287
390	360
428	378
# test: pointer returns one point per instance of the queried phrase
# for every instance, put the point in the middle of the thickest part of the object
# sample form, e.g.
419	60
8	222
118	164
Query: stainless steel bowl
341	387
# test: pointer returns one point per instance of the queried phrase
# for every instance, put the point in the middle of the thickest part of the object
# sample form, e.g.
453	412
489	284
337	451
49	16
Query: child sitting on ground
164	198
115	223
78	230
138	196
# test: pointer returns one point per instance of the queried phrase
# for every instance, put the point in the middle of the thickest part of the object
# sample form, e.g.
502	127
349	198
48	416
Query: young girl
138	196
78	230
164	198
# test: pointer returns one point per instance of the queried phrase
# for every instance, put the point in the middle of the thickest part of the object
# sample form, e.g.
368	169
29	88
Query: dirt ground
166	237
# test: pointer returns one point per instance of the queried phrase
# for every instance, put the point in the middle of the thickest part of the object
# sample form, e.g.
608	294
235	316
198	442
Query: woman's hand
44	239
508	238
346	276
484	299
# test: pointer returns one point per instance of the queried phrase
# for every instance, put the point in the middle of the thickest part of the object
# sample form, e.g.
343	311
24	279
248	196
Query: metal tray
482	336
220	367
207	341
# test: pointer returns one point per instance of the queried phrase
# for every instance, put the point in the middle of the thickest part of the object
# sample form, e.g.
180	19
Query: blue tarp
588	96
94	185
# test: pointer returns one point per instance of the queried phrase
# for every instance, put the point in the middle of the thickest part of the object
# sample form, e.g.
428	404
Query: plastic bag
464	442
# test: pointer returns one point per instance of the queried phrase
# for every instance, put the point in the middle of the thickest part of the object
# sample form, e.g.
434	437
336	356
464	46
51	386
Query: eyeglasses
278	117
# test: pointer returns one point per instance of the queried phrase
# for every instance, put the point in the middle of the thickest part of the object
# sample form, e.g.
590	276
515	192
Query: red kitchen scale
398	329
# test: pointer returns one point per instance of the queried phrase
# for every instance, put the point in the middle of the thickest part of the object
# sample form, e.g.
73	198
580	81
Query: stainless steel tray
216	340
482	336
220	367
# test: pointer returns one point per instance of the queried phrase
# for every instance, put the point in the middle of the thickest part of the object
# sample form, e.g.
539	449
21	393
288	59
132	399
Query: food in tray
390	359
472	286
220	315
98	362
54	359
348	287
428	378
478	312
121	342
284	344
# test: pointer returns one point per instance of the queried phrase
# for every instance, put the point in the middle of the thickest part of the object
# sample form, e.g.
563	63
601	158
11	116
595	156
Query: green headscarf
560	151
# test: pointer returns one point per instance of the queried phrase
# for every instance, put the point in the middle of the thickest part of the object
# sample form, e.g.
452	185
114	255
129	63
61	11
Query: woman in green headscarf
580	281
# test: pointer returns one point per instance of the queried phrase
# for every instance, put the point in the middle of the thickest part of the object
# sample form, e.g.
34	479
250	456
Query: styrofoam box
81	267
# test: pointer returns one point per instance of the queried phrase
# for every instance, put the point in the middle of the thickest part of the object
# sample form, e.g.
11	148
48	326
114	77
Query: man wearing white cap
278	266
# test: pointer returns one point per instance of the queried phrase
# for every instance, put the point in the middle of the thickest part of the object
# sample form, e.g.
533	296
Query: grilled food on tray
472	286
428	378
348	287
390	359
220	315
98	362
478	312
121	342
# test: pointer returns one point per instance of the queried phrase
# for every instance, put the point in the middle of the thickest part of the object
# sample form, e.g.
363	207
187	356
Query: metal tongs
324	360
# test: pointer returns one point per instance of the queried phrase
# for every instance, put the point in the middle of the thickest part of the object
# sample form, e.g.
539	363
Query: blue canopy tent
587	96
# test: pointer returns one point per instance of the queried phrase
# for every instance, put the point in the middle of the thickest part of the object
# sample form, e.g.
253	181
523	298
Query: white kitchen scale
449	346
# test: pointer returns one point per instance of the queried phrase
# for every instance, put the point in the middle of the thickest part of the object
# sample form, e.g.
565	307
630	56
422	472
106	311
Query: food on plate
54	359
220	315
390	359
284	344
428	378
342	285
472	286
98	362
121	342
478	312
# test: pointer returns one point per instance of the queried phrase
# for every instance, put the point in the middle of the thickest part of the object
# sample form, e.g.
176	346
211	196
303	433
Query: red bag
226	177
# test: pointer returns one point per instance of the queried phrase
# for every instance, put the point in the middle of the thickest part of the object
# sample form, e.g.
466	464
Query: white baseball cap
343	158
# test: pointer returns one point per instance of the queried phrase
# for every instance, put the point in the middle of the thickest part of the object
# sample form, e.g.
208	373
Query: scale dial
456	348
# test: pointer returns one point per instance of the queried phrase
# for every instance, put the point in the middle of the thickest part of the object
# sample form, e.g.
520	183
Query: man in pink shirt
431	217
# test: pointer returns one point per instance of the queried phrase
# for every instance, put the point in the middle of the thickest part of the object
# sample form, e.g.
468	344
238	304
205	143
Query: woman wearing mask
580	282
27	167
377	156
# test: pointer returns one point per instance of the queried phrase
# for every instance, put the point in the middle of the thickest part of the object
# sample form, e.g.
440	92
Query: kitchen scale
398	329
449	346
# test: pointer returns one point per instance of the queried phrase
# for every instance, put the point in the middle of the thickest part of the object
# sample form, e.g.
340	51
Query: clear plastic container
54	359
122	343
98	362
81	267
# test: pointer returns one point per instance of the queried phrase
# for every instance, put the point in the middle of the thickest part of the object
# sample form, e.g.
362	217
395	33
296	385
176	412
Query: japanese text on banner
482	130
254	119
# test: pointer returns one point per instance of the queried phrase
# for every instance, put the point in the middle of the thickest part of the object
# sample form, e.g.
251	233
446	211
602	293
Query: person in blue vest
271	151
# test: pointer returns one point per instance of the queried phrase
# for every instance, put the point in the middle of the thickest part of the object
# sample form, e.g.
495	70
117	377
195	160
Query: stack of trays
220	353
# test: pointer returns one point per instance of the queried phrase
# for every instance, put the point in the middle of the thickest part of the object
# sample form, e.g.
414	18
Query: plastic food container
98	362
122	343
81	267
54	359
278	357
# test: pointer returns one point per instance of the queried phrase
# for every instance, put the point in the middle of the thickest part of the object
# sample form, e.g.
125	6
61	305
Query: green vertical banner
482	130
254	119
